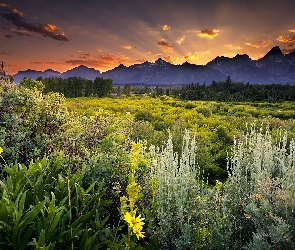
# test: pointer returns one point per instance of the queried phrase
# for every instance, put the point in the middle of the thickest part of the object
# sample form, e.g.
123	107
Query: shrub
143	116
258	199
175	189
29	122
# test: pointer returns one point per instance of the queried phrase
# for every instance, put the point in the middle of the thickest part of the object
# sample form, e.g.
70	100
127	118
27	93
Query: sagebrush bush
175	189
258	200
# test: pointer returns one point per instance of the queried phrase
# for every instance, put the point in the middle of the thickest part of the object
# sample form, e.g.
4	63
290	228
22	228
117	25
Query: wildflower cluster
133	194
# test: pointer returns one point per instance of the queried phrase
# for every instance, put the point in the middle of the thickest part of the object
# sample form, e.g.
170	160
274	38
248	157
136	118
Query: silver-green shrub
176	191
259	196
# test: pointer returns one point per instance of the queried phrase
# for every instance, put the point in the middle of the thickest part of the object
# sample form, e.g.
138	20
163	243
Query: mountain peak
160	61
276	48
82	67
50	71
187	64
275	51
244	56
121	66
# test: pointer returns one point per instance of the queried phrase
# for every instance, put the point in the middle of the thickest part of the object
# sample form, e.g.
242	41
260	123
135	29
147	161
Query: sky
102	34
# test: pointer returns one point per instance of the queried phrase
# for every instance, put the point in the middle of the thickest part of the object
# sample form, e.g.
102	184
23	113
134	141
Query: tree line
217	91
77	86
237	91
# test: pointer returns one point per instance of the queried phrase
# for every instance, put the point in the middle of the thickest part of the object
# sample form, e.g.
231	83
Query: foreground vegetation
144	173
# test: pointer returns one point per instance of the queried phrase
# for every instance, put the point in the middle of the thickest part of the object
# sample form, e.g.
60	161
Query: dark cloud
17	18
83	54
21	32
40	62
8	36
165	46
4	53
209	33
287	51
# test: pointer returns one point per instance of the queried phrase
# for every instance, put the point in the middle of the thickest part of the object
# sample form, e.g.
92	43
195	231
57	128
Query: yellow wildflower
257	196
133	221
137	231
1	150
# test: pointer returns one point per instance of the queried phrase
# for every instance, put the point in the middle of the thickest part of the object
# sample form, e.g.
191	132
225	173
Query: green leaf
25	239
41	240
20	206
55	221
31	215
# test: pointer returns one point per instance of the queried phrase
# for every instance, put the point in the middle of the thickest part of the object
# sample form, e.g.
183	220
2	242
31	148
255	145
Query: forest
87	165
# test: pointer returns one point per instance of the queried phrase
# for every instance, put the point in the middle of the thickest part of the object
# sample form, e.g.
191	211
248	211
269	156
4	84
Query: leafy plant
44	207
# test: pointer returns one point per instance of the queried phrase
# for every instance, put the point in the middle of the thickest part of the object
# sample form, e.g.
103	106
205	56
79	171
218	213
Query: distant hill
80	71
274	67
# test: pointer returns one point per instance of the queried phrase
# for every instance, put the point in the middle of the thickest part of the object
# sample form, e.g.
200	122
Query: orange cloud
17	18
127	47
191	57
180	40
172	59
104	61
292	30
139	60
288	40
253	45
165	46
36	62
50	28
166	27
208	33
265	43
230	46
194	56
229	54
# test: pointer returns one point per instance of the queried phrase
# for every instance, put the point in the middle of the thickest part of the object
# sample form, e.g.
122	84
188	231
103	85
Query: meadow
144	173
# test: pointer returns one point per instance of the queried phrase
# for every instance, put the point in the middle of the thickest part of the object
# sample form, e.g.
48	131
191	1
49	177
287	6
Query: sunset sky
62	34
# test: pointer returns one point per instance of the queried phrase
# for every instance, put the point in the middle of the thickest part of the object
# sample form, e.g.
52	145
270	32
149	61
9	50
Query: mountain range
274	67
